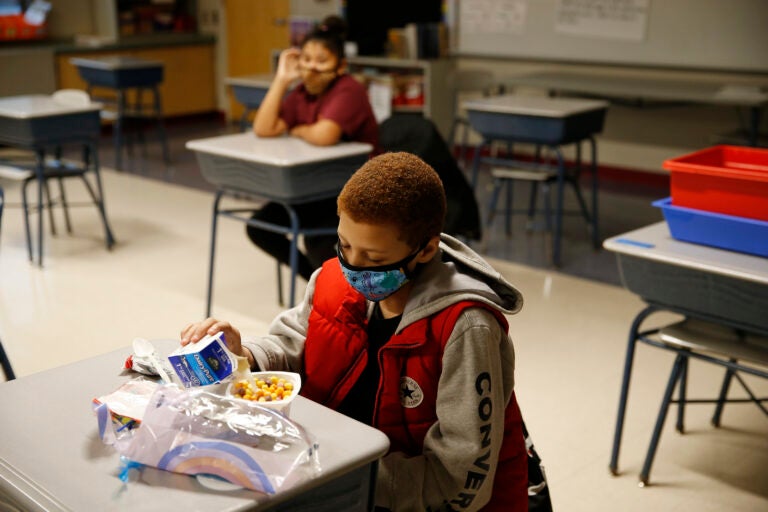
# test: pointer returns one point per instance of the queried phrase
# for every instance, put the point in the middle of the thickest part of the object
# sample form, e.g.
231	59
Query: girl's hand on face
194	332
288	65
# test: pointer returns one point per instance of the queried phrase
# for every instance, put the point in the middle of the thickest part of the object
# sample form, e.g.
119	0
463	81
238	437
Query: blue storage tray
739	234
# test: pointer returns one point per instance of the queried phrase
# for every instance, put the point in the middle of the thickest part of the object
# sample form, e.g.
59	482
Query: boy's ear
342	66
429	250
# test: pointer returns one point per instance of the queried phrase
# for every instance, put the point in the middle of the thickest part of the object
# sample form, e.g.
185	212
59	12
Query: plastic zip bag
194	431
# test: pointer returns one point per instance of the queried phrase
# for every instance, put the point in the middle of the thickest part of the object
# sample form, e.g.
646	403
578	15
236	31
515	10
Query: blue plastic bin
740	234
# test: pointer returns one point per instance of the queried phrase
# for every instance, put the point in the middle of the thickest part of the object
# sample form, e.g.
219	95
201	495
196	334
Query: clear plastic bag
194	431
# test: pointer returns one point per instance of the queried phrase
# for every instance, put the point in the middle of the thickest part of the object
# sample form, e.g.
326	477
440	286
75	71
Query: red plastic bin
732	180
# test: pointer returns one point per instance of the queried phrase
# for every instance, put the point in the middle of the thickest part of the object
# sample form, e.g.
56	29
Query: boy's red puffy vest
335	356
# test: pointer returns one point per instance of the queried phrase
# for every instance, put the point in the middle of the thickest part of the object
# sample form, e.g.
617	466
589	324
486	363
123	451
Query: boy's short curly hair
399	189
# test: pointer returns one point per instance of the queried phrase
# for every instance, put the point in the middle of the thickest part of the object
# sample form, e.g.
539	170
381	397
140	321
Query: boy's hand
194	332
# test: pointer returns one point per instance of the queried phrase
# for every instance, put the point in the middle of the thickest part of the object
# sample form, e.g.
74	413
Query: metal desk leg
476	163
294	255
161	126
209	295
117	127
629	358
559	206
680	424
595	186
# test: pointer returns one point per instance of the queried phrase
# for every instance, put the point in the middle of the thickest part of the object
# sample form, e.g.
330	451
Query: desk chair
541	174
244	215
466	81
59	169
734	349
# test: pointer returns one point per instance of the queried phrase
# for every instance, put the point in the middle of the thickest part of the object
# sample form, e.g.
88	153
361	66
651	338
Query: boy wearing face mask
405	330
326	107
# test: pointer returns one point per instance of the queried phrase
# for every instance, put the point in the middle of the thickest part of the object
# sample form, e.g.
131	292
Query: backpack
418	135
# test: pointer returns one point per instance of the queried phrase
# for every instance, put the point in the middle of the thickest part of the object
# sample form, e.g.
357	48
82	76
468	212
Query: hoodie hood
457	274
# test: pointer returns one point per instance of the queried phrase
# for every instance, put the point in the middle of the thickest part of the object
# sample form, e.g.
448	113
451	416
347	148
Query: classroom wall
641	138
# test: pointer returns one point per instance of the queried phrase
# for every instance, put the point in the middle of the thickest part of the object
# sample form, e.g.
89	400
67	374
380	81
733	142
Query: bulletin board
723	35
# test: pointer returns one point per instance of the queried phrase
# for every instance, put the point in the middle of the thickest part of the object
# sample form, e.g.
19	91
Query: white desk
640	90
714	284
40	123
723	287
250	91
550	122
51	457
286	170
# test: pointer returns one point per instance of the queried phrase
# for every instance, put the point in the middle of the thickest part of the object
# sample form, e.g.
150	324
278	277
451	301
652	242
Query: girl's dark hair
331	33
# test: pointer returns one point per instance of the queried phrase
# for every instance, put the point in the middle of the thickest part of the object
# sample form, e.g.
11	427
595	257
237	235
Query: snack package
193	431
125	406
208	361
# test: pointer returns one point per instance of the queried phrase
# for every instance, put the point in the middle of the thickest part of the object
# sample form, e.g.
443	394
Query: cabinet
189	78
418	86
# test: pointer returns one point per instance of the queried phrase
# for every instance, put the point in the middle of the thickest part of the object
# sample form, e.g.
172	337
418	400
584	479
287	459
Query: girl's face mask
377	283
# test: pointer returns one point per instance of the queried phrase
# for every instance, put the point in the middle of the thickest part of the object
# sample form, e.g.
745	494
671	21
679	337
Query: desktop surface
52	458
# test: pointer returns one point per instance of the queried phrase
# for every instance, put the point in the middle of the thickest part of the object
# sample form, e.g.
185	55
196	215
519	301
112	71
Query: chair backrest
75	97
419	135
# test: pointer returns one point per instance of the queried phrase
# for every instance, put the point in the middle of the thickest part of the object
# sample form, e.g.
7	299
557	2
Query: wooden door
256	29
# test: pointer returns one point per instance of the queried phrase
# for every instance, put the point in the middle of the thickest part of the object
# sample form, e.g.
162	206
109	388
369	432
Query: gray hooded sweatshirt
478	344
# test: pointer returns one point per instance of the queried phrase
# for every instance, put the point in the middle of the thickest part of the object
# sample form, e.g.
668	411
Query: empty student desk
726	289
42	124
249	91
52	459
547	122
286	170
123	74
642	90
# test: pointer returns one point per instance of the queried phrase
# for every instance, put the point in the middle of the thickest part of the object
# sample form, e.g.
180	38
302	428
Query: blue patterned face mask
377	283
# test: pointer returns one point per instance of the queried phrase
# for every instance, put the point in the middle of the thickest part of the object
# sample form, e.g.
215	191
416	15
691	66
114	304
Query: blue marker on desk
636	243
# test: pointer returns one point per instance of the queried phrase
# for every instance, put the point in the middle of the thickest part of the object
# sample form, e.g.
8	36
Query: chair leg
64	205
677	369
25	207
4	361
721	398
49	206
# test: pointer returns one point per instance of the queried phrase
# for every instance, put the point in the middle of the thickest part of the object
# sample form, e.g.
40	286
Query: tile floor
569	337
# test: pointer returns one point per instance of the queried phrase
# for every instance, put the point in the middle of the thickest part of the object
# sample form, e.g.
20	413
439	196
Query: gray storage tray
537	129
716	297
37	131
296	184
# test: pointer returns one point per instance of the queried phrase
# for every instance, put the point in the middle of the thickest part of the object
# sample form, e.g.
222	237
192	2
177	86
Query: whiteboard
723	35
